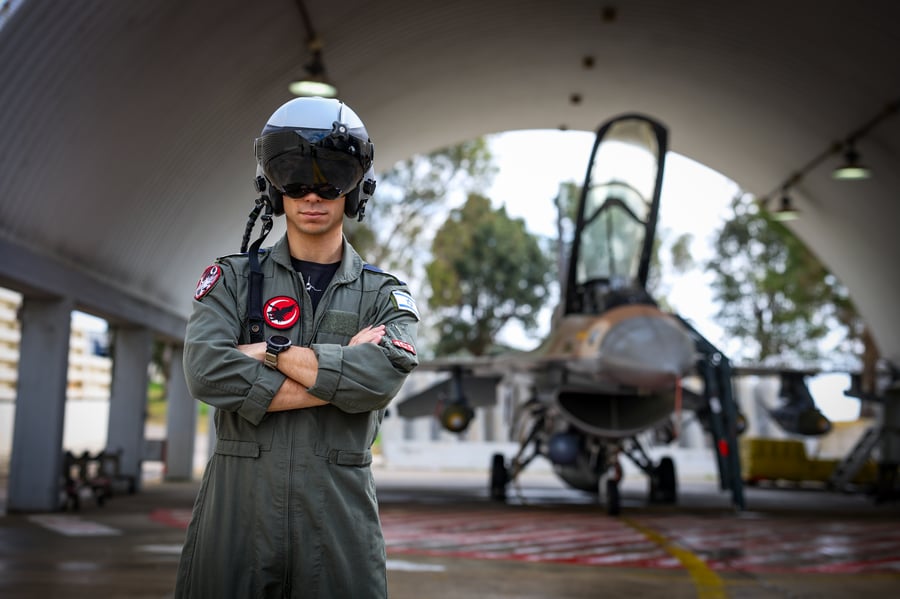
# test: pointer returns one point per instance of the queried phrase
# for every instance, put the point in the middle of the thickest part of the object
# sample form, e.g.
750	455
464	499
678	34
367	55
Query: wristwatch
274	346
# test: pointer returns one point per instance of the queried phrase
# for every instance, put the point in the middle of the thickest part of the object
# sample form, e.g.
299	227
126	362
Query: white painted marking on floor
404	566
74	526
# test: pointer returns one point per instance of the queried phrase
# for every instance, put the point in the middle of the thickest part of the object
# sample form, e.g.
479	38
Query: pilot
299	347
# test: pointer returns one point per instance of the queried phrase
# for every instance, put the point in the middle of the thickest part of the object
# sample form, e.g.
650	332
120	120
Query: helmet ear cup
355	205
351	203
265	187
276	197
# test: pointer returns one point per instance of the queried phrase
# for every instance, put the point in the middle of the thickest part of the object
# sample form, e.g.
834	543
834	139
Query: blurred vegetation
778	297
487	271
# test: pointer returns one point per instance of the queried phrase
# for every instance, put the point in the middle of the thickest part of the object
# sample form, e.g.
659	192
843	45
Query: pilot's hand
369	334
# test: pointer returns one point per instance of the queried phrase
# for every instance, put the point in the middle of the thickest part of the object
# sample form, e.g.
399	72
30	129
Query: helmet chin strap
254	289
262	201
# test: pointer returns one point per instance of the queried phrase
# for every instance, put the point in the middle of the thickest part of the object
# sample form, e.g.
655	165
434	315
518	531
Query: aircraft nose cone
648	351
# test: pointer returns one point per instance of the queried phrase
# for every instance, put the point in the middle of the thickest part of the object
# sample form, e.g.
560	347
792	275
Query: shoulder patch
207	281
404	345
404	301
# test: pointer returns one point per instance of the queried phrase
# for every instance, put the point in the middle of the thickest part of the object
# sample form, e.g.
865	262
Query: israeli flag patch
404	301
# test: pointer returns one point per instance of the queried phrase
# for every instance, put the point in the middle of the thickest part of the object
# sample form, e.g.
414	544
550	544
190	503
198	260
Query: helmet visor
295	167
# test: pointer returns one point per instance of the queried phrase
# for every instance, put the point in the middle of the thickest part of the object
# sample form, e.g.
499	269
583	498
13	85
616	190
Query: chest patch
404	301
207	281
281	312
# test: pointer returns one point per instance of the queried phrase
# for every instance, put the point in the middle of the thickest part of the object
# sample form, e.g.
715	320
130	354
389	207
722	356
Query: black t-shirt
316	276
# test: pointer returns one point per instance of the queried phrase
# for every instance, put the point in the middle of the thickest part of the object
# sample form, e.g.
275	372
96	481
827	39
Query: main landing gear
499	478
662	477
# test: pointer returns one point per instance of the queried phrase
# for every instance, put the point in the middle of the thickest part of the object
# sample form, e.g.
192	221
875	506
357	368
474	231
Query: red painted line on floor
173	518
725	543
591	539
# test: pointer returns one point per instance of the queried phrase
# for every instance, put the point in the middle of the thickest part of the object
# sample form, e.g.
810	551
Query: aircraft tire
499	477
667	482
613	500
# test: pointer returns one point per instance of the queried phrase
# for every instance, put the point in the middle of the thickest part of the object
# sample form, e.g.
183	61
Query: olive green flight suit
287	504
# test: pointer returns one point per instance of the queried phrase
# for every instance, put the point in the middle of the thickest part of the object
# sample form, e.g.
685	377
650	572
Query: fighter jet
612	365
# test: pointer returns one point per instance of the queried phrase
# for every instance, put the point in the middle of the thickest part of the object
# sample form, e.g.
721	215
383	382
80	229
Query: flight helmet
316	145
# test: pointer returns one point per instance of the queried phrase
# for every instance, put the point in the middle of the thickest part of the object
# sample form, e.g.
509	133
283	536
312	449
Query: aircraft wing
480	391
499	365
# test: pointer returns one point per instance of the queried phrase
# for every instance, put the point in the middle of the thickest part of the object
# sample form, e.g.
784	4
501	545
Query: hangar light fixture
314	80
851	169
786	210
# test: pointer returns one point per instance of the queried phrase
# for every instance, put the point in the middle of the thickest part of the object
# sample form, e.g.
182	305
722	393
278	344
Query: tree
774	293
487	271
566	202
411	195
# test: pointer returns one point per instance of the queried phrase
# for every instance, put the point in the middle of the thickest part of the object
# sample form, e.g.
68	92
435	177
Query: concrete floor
447	540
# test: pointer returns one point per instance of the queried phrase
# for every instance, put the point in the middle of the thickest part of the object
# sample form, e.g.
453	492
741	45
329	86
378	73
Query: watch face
279	342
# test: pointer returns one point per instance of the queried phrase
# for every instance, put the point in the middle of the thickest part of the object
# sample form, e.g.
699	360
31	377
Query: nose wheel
608	489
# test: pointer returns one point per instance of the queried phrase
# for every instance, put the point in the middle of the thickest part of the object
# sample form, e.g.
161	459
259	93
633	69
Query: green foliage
156	391
487	271
566	202
774	293
682	260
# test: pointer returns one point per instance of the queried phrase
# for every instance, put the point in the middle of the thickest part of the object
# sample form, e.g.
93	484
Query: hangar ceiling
127	127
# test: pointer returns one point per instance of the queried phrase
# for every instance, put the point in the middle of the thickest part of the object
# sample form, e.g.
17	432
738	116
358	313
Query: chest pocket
338	327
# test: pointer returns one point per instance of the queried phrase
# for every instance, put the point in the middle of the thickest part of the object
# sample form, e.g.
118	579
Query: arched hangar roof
127	127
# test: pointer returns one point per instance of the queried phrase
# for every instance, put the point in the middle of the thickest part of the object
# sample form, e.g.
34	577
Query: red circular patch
207	281
281	312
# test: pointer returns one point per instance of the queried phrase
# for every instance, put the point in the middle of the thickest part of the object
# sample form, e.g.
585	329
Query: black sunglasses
326	191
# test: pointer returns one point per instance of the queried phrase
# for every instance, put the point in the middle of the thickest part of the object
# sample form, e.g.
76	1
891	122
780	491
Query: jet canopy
617	215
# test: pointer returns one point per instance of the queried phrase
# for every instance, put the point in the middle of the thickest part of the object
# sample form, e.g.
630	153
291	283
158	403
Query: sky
694	200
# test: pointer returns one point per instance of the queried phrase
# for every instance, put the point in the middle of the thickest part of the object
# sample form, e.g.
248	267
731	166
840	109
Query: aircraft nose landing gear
608	487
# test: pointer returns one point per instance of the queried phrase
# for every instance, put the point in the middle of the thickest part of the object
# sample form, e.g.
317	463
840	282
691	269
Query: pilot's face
311	215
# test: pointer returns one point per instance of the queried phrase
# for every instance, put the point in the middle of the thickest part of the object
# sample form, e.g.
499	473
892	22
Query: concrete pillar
490	423
36	461
181	422
132	351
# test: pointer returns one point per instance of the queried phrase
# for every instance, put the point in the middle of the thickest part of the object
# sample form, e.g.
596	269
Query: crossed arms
301	367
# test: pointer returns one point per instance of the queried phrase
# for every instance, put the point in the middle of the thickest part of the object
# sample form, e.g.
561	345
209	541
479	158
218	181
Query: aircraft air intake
644	352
